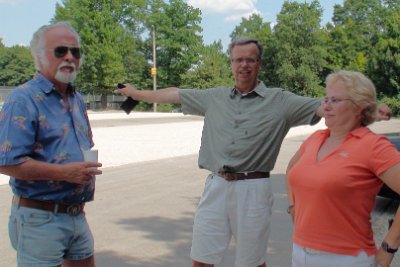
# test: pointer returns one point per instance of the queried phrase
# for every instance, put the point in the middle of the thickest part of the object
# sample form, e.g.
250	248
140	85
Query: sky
19	19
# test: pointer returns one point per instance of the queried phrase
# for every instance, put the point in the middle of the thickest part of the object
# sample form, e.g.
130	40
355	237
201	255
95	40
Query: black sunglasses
61	51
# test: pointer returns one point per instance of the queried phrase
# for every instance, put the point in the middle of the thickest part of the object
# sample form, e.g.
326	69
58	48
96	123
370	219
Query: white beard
64	77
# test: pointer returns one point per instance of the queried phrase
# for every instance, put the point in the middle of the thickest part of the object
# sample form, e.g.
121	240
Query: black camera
129	103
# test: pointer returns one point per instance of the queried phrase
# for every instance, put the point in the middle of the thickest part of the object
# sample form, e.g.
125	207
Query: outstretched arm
166	95
291	163
392	238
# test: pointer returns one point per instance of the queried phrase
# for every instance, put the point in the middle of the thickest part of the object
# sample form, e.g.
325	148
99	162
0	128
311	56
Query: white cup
91	155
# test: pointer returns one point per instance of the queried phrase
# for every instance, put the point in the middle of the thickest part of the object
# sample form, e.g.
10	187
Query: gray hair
37	44
245	41
361	91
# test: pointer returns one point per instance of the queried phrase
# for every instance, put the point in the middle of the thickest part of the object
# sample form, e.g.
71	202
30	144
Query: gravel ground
123	139
138	137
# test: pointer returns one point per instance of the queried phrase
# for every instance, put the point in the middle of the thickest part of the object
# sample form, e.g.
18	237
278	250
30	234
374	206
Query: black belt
235	176
72	209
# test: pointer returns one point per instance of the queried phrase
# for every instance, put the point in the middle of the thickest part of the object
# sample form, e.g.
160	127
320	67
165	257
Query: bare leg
199	264
89	262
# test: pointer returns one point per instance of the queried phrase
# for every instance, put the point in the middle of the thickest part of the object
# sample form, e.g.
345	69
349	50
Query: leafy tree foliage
98	23
212	69
16	65
365	37
384	63
178	38
299	54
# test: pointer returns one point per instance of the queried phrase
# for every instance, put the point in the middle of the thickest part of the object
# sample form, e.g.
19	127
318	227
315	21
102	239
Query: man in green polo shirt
243	131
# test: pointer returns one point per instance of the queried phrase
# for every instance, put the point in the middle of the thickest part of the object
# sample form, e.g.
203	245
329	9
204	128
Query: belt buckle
74	209
229	176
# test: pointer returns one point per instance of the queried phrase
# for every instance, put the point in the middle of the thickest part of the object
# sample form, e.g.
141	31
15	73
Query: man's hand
79	172
127	91
384	112
166	95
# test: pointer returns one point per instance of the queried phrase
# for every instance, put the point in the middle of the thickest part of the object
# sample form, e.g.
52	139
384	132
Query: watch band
385	247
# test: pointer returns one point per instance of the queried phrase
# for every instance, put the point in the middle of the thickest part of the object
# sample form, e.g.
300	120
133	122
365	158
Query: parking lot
145	200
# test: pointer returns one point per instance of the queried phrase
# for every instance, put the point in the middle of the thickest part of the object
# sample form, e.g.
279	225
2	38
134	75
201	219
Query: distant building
92	101
4	92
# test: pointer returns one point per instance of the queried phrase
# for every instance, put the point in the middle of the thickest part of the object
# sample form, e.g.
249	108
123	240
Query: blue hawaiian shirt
36	123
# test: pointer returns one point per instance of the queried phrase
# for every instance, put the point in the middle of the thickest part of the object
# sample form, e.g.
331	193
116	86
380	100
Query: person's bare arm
73	172
384	112
291	163
391	178
166	95
320	111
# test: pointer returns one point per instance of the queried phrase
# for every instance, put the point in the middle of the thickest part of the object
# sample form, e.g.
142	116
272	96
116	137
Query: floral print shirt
36	123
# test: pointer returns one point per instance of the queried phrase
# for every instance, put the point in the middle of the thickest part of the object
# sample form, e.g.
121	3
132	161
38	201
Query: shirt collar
46	86
260	90
358	133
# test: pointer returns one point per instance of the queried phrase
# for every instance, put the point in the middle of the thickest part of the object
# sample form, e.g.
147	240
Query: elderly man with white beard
44	131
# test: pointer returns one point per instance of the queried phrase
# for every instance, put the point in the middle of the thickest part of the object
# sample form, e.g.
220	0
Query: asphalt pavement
143	211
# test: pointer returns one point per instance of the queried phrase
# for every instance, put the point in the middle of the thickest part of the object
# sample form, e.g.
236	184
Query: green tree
16	65
104	40
357	23
178	38
298	49
384	63
212	69
365	37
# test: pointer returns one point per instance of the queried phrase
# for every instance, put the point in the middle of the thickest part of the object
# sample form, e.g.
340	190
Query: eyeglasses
334	101
61	51
248	60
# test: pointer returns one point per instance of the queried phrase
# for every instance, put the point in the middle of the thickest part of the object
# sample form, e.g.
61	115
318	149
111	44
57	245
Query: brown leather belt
235	176
72	209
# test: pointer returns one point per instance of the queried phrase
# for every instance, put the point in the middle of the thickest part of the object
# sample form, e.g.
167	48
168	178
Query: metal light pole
154	69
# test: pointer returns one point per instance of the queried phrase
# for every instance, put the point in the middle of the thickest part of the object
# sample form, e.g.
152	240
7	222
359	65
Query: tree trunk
104	101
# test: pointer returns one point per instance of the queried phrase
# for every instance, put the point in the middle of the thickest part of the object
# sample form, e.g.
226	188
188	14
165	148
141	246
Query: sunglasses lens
76	52
60	51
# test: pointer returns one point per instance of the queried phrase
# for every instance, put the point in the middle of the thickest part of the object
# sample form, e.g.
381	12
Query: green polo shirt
243	133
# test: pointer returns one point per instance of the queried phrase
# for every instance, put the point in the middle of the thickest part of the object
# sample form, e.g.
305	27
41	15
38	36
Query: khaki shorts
239	208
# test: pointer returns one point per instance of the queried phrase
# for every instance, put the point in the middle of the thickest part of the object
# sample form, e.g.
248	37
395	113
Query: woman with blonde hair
333	179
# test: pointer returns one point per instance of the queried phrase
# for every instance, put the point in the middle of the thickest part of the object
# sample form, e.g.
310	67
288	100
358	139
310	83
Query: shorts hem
204	261
79	257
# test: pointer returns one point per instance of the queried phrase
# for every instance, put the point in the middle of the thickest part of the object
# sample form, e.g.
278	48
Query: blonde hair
361	91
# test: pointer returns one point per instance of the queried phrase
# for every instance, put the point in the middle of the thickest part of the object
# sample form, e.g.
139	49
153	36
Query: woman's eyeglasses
61	51
334	101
